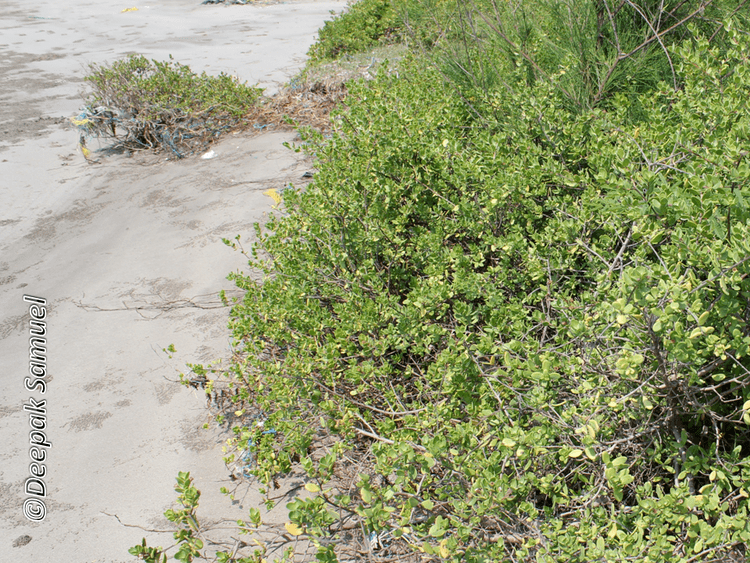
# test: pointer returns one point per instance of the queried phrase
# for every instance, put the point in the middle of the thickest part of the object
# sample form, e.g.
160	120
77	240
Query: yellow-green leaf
700	331
293	529
702	318
312	487
698	546
575	453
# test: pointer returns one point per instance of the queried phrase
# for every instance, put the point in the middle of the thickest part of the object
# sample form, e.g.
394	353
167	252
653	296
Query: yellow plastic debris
273	194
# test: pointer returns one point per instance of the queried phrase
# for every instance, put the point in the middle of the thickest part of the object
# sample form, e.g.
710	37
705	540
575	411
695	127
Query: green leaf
617	492
439	528
703	318
366	494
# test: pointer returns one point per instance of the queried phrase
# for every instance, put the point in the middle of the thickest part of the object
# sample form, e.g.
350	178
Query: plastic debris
209	154
248	458
274	195
384	539
226	2
185	132
133	9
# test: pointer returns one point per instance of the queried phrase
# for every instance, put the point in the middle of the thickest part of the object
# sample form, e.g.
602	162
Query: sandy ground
97	242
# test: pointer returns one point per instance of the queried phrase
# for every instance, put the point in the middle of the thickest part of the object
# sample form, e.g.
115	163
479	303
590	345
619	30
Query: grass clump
148	104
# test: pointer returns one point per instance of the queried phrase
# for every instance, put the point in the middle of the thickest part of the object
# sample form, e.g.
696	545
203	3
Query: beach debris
209	154
303	103
133	9
244	466
226	2
85	151
274	195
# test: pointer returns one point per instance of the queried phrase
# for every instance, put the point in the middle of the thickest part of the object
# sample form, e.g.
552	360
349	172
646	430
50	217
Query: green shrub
162	104
190	533
531	335
589	49
364	25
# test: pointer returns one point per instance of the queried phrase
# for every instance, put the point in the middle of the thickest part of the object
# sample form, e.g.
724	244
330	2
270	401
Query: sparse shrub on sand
148	104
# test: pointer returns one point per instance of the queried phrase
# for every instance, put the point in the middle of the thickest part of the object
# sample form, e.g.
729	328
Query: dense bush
363	25
527	334
590	50
162	104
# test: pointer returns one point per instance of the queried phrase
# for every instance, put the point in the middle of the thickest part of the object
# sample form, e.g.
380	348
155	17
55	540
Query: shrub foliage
363	26
529	332
590	50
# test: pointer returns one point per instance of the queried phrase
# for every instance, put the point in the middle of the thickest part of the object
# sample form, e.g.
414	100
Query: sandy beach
128	258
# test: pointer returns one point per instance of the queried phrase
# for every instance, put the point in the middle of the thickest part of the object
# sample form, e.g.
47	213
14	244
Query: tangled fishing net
150	104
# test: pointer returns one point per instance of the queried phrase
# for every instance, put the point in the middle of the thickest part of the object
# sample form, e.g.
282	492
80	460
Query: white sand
129	232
